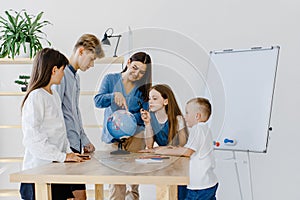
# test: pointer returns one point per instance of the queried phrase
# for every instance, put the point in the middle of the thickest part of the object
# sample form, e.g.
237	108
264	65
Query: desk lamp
109	34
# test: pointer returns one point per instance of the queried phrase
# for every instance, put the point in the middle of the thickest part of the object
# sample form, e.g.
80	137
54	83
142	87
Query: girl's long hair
172	109
146	81
43	64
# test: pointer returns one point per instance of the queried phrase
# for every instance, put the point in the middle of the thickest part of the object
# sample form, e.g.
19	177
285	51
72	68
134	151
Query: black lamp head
105	40
108	33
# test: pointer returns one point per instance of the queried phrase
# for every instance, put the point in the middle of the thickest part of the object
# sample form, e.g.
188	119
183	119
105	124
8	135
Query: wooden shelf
10	126
19	126
11	159
105	60
12	93
9	193
110	60
88	93
85	93
16	61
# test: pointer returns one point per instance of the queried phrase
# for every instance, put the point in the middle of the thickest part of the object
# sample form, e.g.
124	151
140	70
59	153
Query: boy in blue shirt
85	51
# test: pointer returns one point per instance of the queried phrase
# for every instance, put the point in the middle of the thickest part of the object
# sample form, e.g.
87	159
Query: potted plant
19	28
24	83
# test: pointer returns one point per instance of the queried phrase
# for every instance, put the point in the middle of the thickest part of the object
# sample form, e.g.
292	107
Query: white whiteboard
240	86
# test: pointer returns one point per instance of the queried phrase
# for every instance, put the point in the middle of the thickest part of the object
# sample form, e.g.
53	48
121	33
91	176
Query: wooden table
105	168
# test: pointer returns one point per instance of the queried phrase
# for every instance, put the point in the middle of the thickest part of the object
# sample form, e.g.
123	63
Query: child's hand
145	115
161	149
71	157
89	148
120	100
146	151
84	156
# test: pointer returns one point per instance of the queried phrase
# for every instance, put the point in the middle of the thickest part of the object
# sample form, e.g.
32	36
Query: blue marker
160	158
230	142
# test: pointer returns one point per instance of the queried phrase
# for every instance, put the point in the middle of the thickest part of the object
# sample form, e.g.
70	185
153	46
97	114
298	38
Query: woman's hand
72	157
120	100
145	115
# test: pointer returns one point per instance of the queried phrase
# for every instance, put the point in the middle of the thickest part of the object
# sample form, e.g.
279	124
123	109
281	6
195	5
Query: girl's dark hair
146	82
172	109
43	64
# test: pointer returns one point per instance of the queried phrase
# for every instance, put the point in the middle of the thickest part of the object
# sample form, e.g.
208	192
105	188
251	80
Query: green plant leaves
19	28
23	77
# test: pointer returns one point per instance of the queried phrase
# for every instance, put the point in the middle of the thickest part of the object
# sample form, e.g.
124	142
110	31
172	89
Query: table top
104	168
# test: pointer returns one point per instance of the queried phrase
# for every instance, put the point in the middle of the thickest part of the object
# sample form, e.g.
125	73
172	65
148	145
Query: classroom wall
212	25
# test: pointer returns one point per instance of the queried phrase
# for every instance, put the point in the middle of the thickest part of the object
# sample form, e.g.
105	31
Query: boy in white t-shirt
203	181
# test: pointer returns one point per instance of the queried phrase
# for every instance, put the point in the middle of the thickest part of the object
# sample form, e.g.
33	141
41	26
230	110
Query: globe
121	124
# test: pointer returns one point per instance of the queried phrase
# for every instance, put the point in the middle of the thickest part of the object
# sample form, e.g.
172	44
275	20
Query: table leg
49	191
99	192
41	191
164	192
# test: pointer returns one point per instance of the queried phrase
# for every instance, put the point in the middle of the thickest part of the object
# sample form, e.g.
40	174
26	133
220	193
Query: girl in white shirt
44	132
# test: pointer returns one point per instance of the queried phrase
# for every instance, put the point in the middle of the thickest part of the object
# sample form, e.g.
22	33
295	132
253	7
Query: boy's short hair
203	104
90	42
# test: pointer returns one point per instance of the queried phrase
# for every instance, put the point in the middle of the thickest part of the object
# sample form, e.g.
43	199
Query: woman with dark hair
126	90
44	132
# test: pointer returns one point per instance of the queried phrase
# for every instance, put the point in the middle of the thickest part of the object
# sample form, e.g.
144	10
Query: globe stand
120	151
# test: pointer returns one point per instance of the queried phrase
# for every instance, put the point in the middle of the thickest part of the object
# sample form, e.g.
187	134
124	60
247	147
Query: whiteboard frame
228	51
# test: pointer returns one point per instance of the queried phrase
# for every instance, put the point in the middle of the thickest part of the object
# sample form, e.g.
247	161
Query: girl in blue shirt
164	122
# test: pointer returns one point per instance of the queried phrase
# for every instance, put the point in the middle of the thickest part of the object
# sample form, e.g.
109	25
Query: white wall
213	25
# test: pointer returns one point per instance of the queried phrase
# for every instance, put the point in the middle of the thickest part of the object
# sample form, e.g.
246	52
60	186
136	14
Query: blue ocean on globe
121	123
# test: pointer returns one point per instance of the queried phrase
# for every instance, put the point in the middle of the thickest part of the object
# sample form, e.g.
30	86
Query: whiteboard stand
238	174
250	174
